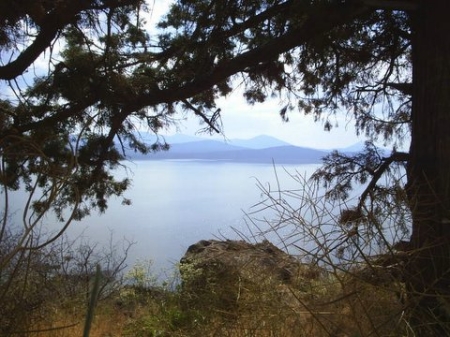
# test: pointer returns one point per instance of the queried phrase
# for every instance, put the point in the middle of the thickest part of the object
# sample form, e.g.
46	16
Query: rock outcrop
218	274
249	260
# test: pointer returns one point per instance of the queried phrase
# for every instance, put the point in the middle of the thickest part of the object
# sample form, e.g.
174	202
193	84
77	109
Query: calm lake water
177	203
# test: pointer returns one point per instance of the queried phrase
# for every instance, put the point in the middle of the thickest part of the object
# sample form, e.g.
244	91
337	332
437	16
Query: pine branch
205	118
377	174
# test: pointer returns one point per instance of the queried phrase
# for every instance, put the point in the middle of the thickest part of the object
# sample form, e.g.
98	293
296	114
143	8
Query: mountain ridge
262	149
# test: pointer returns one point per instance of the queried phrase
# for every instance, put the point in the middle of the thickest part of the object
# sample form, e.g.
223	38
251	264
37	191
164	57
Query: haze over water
177	203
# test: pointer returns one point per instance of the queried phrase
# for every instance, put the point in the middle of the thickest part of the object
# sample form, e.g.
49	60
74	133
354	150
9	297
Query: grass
335	303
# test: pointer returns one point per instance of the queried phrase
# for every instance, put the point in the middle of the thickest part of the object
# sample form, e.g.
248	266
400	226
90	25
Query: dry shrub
358	291
45	292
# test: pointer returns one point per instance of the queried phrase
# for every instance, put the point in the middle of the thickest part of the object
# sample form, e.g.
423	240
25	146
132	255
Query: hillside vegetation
213	297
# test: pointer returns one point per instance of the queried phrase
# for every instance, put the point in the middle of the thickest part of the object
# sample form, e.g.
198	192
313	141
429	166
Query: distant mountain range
261	149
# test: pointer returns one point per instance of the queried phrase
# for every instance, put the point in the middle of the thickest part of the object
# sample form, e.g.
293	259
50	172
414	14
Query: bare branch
201	115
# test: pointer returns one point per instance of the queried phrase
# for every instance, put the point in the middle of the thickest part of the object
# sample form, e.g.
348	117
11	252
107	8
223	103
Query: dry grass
335	304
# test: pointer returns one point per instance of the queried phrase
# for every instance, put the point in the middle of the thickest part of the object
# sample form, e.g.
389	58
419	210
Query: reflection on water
175	204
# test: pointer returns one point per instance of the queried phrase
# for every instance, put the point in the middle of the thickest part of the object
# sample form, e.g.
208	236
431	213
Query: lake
177	203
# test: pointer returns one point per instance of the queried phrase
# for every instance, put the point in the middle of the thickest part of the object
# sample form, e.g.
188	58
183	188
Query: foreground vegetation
319	303
348	285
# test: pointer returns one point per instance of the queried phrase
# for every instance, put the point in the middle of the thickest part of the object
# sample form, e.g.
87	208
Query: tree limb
316	23
376	174
52	24
405	88
405	5
201	115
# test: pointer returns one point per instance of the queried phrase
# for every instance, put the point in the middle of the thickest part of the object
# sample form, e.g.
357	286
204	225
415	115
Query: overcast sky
241	120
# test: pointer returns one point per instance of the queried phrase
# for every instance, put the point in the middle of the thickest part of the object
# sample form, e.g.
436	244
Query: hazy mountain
253	152
360	146
278	154
357	147
260	149
178	138
202	146
259	142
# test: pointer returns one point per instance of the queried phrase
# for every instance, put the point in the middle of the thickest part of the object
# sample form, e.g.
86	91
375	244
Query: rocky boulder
222	274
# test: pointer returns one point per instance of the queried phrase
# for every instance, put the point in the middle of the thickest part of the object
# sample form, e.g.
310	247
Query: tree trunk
428	273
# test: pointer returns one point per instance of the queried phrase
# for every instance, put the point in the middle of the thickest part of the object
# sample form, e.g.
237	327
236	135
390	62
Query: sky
241	120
